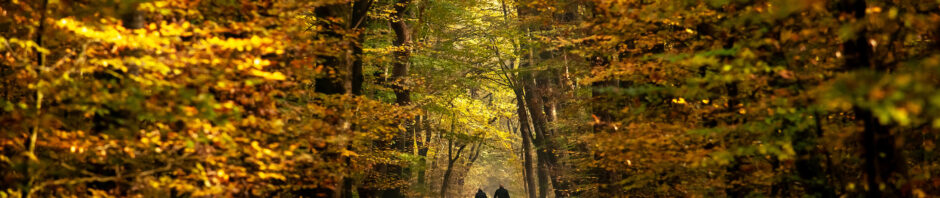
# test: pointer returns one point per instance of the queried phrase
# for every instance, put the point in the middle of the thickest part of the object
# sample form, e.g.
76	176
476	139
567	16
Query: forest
442	98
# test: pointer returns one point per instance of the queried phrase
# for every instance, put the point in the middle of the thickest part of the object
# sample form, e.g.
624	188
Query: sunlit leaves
199	100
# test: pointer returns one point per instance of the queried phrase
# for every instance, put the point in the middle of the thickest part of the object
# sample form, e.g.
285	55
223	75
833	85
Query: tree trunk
547	161
356	67
451	160
445	183
347	65
336	84
538	121
546	86
423	149
33	137
402	53
400	66
876	138
360	8
526	135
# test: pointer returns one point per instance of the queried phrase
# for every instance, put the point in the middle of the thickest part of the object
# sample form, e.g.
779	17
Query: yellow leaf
678	100
268	75
348	153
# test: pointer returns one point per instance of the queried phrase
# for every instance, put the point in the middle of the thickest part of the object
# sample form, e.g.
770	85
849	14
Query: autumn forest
448	98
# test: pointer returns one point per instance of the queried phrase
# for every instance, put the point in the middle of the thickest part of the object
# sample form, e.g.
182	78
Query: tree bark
347	66
526	135
451	160
400	66
34	131
547	160
402	53
360	8
876	138
336	83
533	103
423	126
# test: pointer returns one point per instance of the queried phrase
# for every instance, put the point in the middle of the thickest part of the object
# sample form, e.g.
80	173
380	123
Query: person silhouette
480	193
501	192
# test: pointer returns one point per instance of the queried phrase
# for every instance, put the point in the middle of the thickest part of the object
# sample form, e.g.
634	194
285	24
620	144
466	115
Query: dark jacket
501	193
480	194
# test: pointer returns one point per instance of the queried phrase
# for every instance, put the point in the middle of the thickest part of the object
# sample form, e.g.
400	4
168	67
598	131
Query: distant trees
777	98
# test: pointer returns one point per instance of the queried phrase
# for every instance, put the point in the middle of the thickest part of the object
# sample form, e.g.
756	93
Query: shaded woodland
439	98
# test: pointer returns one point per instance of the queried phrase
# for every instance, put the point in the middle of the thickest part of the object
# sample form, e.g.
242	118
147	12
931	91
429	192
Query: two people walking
500	193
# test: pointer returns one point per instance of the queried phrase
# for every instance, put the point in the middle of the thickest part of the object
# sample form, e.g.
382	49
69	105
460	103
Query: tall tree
402	53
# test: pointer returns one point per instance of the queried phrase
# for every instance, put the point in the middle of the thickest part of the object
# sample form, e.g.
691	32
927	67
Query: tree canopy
439	98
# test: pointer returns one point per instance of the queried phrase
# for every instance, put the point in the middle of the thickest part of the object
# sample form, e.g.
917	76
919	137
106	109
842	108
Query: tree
175	98
750	97
438	98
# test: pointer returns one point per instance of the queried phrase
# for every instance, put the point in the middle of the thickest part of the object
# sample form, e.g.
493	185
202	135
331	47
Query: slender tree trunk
446	181
525	124
402	53
533	103
525	133
543	173
336	84
876	138
525	129
423	153
423	126
551	85
356	67
527	162
400	66
360	8
538	121
533	96
347	66
451	160
33	136
549	99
